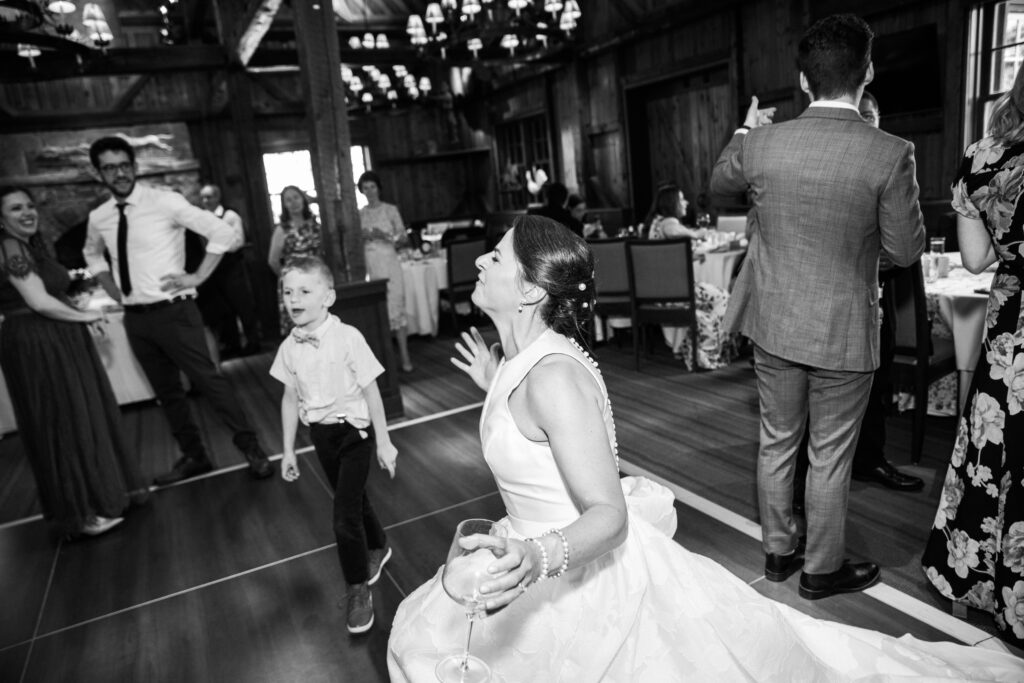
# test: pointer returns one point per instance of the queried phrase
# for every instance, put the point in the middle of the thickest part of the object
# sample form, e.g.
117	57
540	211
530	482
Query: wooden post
316	37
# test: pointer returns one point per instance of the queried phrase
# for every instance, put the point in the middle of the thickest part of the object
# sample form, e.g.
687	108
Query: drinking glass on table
464	573
704	220
937	245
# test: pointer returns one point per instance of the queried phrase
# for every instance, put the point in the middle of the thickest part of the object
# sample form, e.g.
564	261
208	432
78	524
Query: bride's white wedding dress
649	610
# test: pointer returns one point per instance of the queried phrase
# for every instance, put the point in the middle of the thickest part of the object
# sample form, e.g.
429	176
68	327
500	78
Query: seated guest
592	230
556	195
665	219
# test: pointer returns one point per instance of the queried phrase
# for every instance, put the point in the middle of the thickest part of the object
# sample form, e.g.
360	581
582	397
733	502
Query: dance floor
223	578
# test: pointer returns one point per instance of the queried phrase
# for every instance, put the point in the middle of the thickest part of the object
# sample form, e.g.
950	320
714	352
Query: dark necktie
122	251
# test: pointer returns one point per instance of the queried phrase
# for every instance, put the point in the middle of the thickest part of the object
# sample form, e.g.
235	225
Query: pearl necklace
608	402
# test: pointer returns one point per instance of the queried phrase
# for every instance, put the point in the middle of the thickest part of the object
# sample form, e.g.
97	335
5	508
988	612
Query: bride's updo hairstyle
558	261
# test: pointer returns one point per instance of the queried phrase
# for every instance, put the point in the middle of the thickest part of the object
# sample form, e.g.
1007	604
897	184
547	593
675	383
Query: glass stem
469	634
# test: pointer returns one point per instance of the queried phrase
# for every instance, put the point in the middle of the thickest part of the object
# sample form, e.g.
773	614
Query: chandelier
375	87
33	27
493	28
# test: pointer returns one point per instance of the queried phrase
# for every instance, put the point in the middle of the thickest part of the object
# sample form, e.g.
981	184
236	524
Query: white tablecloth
423	280
961	315
717	267
126	376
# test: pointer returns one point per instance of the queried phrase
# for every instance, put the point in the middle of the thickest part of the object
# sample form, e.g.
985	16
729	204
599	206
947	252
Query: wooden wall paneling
771	30
566	112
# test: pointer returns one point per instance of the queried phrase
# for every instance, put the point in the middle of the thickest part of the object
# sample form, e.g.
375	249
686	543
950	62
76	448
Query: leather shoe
781	567
259	464
849	578
187	466
890	477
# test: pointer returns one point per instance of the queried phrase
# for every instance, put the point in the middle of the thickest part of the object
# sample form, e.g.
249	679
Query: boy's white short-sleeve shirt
328	371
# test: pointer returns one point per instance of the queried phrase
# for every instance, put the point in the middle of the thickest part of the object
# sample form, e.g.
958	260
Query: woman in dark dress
68	418
975	553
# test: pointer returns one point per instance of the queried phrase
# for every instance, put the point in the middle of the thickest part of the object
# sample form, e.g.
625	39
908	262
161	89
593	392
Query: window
523	146
995	53
296	168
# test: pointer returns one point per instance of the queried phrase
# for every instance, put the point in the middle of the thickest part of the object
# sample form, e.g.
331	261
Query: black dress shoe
781	567
188	466
890	477
849	578
259	464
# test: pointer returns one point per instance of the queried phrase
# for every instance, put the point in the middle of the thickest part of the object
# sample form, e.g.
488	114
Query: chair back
611	273
909	302
660	270
462	233
462	256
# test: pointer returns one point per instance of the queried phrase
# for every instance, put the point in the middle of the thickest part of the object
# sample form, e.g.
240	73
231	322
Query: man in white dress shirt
143	229
226	297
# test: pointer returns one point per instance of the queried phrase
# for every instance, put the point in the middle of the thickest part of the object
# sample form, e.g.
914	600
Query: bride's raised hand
480	361
517	566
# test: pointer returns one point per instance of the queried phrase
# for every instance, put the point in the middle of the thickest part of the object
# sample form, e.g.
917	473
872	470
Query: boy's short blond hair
311	265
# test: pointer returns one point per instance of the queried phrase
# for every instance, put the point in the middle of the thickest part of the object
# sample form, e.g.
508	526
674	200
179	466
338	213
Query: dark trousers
225	298
870	451
345	456
168	341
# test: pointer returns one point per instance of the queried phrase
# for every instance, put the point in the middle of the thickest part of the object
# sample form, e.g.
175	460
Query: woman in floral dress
298	234
975	553
716	347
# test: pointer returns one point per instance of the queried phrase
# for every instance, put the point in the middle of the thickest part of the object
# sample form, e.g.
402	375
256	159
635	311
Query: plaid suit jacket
829	192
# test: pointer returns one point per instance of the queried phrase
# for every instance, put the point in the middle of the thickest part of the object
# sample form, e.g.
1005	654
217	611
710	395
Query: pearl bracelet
565	553
544	561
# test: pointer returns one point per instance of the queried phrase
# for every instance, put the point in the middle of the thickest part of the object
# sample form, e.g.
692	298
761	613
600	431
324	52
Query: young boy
329	376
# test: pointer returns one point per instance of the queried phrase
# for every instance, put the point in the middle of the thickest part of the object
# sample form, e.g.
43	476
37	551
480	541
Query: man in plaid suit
830	192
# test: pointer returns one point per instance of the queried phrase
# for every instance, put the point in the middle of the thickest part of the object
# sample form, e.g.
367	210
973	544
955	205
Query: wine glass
464	572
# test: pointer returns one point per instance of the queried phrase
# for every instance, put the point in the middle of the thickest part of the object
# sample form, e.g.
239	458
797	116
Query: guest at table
665	219
975	553
298	234
591	230
556	196
383	233
68	419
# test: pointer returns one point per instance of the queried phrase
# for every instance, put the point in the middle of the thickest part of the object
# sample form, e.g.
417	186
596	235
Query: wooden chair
462	273
611	281
661	288
919	358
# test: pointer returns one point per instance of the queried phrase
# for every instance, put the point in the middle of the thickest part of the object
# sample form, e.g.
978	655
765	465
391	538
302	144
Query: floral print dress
975	553
304	239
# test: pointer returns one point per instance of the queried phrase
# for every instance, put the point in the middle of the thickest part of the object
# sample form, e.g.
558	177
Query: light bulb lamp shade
356	84
346	73
433	16
382	42
516	30
369	41
35	28
384	82
424	85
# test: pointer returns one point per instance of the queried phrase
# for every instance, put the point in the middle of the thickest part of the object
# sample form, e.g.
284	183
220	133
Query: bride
589	585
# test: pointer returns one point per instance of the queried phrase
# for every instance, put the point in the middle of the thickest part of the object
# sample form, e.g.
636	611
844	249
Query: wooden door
678	128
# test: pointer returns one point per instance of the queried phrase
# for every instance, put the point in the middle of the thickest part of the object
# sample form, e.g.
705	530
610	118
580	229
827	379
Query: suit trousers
792	395
870	451
226	298
169	340
345	454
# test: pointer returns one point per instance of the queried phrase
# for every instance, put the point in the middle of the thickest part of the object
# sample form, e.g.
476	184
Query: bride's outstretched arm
560	403
481	361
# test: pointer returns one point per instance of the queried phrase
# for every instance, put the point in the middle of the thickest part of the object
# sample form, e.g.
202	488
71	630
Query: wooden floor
223	578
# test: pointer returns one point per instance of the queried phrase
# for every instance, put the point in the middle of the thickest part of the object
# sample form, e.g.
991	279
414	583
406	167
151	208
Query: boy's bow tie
301	338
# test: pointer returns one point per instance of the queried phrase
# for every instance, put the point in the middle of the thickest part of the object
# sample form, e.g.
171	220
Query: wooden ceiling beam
243	23
116	61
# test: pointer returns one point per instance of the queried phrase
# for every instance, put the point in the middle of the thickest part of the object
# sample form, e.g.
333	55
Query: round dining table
958	304
422	281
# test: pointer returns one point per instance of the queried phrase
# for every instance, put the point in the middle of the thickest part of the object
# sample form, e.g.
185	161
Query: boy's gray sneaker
360	608
378	558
